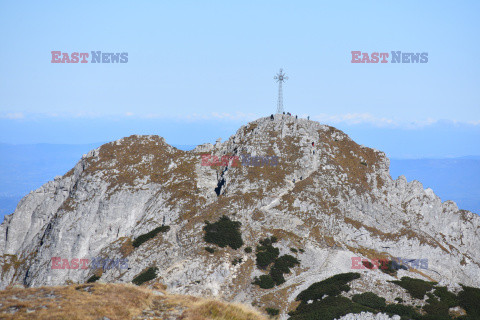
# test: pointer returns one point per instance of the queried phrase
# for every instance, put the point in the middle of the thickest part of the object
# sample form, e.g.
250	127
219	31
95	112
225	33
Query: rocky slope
342	204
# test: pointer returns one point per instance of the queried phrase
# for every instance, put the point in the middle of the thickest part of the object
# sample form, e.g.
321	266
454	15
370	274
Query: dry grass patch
216	310
68	205
126	248
249	128
369	253
284	234
116	302
69	173
421	273
224	205
278	299
357	165
82	302
138	157
242	281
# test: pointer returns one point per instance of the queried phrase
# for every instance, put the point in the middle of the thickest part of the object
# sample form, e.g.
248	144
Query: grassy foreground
115	301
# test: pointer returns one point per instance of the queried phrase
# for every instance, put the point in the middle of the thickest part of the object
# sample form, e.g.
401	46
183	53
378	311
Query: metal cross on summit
280	77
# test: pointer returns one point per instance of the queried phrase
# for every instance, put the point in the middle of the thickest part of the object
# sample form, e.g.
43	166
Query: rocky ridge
342	204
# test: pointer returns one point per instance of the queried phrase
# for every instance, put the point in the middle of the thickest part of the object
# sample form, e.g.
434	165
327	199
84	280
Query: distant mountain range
24	168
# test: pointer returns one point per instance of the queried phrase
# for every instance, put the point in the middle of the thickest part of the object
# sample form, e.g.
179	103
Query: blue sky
197	70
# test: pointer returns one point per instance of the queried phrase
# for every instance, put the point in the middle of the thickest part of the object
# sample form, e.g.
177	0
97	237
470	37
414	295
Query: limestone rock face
343	204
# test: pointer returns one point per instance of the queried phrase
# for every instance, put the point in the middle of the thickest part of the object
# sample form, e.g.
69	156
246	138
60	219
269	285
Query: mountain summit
258	232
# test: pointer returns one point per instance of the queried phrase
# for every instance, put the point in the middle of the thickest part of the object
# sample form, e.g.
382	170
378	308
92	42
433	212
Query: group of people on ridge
288	114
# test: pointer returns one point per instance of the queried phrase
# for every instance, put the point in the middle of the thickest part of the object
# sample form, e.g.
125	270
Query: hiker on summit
271	117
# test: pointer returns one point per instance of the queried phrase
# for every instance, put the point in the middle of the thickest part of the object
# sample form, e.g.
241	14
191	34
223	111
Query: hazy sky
198	69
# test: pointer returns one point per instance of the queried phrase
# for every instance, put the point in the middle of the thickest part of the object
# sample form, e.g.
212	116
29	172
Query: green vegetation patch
332	286
282	266
266	253
314	306
272	311
209	249
147	236
415	287
327	309
469	299
224	232
370	299
436	309
147	275
264	281
447	297
405	312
